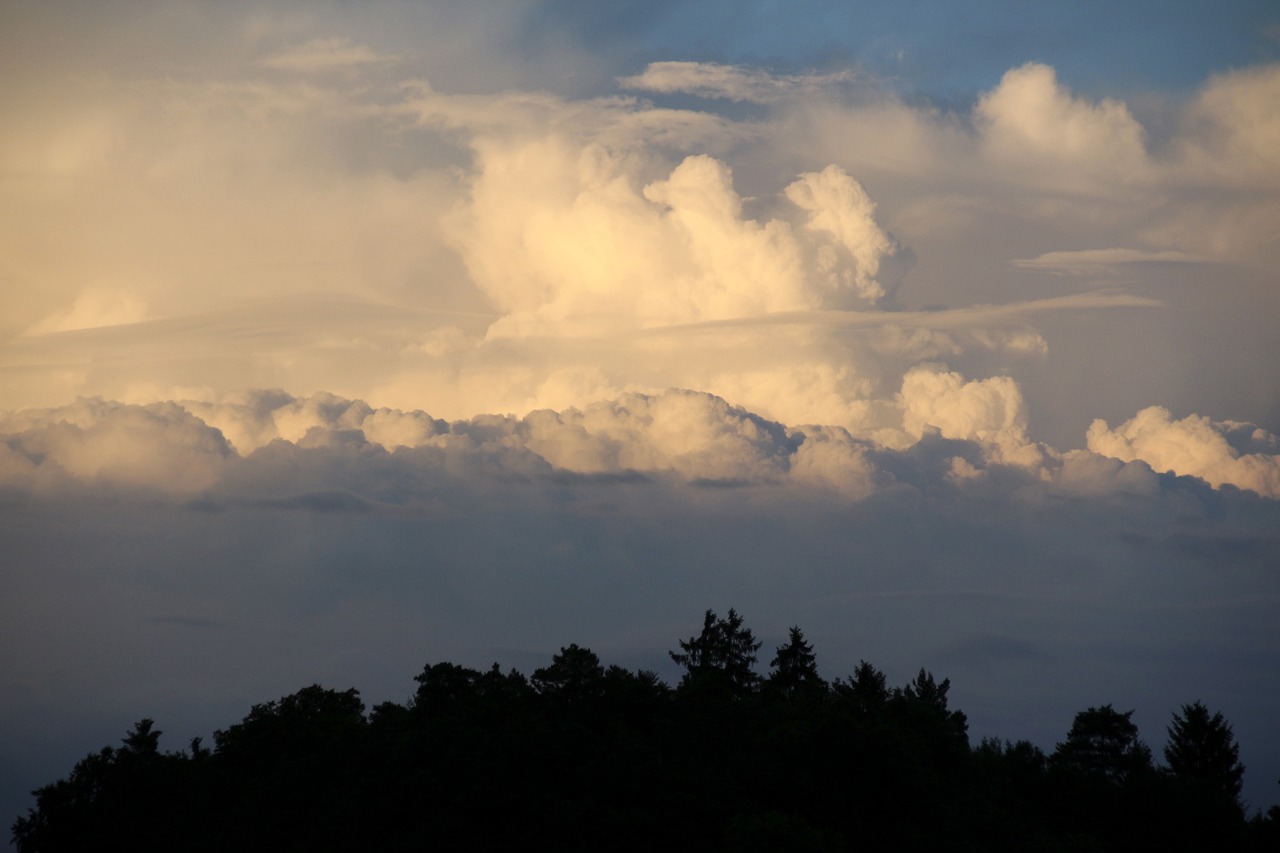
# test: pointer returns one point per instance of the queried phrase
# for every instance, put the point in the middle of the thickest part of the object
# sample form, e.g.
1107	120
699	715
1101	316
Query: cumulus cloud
692	437
968	427
1032	122
160	447
838	205
730	82
564	237
990	411
1232	128
575	240
1219	452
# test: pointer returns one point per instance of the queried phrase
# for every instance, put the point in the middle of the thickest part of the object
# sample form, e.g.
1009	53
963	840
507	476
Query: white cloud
990	411
1231	130
1033	124
838	206
1194	446
159	447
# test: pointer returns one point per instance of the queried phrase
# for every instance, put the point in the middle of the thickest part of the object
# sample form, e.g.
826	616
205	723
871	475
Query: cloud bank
517	250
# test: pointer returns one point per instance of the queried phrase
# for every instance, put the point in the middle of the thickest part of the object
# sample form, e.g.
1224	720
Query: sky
338	339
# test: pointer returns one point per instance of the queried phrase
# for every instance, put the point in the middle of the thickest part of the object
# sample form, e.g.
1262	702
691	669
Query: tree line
580	756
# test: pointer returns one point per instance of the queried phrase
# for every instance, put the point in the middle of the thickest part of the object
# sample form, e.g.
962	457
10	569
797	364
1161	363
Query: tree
1104	742
722	657
575	674
442	686
795	670
926	694
867	688
141	740
1203	750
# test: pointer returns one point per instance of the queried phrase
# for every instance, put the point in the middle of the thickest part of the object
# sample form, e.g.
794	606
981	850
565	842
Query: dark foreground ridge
583	757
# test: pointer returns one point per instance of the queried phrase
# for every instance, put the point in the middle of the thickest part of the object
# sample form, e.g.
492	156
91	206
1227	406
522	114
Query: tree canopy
587	757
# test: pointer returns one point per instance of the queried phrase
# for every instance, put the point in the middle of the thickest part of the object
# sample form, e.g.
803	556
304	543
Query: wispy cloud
1098	261
731	82
325	54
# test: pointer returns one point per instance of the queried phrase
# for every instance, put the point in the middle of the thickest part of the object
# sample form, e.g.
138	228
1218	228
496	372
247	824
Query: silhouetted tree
443	685
1203	750
132	793
867	689
587	758
141	740
291	770
795	670
926	695
722	657
575	674
1104	743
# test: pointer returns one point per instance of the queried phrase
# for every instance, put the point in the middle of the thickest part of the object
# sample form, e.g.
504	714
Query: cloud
1101	261
226	447
1219	452
838	206
159	447
92	309
1232	128
730	82
563	236
324	54
989	410
263	445
1031	122
542	250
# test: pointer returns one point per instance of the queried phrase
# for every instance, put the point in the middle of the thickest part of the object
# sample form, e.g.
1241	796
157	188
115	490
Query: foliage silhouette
795	669
1104	742
1202	750
721	658
587	757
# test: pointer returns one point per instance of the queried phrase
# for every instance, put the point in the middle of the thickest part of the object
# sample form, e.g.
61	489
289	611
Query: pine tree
795	670
722	657
1203	750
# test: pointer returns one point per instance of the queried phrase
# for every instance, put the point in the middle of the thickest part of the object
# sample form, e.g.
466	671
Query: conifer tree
1203	750
723	656
795	670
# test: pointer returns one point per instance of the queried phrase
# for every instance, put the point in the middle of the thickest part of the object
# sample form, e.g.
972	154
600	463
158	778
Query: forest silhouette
580	756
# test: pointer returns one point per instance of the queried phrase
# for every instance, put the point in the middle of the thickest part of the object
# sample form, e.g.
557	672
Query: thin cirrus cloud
730	82
324	54
1101	261
325	351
